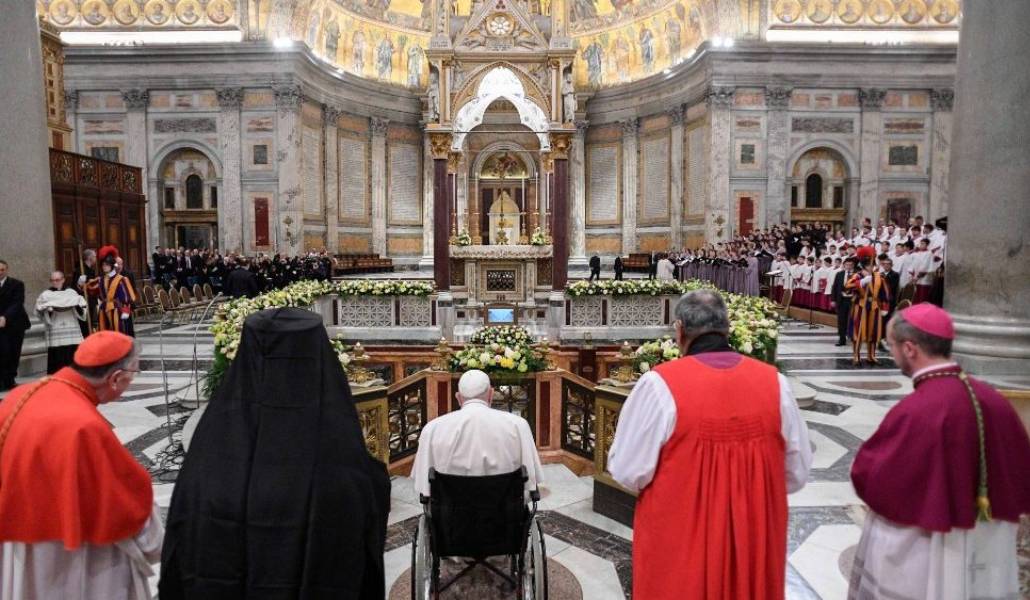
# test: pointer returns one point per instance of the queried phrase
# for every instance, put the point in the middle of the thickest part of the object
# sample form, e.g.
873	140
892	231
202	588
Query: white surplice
895	562
46	571
648	418
476	440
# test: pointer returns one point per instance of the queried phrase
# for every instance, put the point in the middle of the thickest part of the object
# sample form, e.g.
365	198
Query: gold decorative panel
865	13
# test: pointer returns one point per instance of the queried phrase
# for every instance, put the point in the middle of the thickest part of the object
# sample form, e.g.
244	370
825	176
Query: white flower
644	367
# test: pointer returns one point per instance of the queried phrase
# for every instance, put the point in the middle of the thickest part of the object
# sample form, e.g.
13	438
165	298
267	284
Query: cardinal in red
77	519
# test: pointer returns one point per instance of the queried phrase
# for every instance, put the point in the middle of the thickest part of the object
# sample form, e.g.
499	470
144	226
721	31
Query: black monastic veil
278	497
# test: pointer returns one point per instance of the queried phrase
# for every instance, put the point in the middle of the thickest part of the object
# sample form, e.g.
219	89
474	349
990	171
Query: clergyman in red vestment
713	442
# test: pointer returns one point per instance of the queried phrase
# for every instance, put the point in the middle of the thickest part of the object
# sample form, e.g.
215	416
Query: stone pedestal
27	225
988	270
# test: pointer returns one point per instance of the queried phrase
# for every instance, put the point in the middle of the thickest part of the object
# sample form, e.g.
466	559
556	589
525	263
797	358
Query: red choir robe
719	493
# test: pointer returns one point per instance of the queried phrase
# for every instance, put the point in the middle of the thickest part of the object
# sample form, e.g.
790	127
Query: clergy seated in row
77	517
946	477
713	442
476	440
278	496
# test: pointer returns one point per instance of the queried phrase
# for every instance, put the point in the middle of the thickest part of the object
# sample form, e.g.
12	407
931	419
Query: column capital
871	98
439	145
720	96
136	99
676	114
630	126
547	162
777	98
287	97
942	99
379	126
230	98
71	100
330	114
581	126
560	143
453	159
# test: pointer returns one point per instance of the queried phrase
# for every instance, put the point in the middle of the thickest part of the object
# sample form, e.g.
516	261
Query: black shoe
841	343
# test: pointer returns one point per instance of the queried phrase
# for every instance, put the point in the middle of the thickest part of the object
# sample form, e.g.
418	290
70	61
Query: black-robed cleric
278	496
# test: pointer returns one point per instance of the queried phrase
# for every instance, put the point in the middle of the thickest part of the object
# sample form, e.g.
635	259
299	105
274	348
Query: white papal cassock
476	440
46	571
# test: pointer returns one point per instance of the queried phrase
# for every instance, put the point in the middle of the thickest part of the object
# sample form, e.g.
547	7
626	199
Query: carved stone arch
850	162
469	89
525	155
500	82
165	151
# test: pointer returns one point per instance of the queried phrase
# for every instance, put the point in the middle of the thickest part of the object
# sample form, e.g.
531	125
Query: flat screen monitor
500	315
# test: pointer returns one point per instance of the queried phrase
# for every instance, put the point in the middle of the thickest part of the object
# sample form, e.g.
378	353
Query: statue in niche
433	98
568	94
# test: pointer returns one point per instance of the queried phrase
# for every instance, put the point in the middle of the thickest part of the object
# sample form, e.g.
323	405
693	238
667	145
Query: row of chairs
180	303
362	263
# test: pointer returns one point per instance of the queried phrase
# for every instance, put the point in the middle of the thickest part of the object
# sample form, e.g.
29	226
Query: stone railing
618	317
377	318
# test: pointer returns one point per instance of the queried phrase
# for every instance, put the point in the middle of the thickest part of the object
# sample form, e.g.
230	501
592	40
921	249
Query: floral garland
499	349
635	287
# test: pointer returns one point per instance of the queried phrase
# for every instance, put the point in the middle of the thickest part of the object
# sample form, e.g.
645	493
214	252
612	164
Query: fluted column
988	272
676	178
136	102
230	199
330	116
871	100
940	157
630	167
717	196
287	214
379	129
27	224
777	203
577	192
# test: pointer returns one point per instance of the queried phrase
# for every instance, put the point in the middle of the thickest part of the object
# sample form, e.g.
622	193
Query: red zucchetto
103	348
931	319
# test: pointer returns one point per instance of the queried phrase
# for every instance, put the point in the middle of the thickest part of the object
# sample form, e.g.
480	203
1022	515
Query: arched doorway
819	187
188	183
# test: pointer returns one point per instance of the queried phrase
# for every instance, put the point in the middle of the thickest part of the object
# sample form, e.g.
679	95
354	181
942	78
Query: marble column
330	116
577	192
379	128
427	205
560	143
440	144
136	102
717	196
288	215
988	271
676	178
71	111
630	129
777	202
27	226
871	100
940	157
230	199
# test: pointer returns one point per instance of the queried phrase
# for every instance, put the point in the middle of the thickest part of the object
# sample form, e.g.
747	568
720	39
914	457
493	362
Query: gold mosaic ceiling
616	40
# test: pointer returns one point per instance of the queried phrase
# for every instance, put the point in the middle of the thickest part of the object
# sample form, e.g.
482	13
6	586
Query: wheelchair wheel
421	563
534	571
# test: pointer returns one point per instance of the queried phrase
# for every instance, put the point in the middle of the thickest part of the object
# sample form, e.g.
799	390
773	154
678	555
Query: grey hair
88	253
930	344
702	311
97	374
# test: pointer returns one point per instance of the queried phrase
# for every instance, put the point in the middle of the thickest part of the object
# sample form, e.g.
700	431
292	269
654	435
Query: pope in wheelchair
477	472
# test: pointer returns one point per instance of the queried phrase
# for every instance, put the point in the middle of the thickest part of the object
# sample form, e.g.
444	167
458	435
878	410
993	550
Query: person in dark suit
842	301
618	268
240	283
652	268
14	321
595	268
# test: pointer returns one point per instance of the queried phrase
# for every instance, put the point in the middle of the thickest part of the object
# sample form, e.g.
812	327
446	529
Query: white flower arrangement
539	238
463	239
635	287
502	348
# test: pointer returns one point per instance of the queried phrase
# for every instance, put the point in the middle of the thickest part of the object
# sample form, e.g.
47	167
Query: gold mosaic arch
534	92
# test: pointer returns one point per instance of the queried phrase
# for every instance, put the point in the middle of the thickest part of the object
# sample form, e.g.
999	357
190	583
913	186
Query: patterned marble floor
825	516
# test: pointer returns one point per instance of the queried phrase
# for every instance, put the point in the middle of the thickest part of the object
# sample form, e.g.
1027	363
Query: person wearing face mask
77	513
115	294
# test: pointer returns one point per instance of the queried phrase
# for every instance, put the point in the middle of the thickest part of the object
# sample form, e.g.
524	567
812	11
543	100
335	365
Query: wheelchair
475	518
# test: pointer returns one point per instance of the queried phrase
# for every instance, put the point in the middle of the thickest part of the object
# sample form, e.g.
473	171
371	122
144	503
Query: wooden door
747	215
